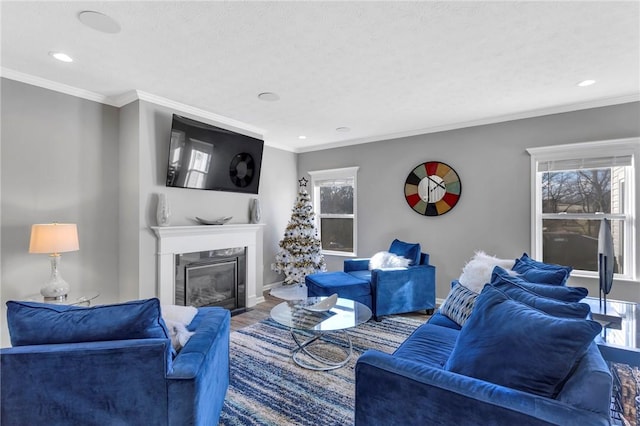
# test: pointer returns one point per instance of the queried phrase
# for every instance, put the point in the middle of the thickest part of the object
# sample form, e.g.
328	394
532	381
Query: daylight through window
334	201
575	188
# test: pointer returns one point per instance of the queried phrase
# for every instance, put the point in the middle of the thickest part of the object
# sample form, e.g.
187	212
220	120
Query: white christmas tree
300	250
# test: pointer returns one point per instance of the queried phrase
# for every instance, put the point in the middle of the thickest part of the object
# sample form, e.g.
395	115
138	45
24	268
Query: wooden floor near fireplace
261	311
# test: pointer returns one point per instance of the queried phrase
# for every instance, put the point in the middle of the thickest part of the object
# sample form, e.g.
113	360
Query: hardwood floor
261	311
256	313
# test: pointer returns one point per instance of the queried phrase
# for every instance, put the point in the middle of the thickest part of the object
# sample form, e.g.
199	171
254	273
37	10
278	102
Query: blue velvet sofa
509	364
117	368
385	291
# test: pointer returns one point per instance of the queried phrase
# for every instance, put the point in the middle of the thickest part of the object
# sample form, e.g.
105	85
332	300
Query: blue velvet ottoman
347	286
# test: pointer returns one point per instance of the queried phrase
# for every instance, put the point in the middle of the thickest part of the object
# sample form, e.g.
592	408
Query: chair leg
376	318
430	311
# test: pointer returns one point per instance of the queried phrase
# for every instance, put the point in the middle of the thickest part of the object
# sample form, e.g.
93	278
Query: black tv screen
202	156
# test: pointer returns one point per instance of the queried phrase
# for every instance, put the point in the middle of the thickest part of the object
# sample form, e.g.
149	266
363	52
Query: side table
74	297
619	344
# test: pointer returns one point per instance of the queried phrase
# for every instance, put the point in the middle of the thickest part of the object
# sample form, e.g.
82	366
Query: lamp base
56	288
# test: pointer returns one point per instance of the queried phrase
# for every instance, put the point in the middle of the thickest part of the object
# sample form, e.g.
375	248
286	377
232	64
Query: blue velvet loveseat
112	365
508	364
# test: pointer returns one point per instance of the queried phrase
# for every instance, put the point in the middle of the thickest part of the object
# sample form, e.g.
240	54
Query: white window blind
585	163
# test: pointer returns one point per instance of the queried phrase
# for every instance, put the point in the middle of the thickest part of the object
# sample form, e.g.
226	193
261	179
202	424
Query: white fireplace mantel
174	240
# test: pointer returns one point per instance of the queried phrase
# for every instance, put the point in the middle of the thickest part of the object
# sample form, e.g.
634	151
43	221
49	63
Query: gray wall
59	163
67	159
494	211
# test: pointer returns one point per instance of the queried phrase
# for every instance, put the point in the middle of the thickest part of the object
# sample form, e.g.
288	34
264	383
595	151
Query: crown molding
54	85
489	120
235	124
134	95
131	96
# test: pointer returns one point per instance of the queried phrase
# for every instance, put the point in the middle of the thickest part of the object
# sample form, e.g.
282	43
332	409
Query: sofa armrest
199	379
113	382
400	391
361	264
212	331
403	289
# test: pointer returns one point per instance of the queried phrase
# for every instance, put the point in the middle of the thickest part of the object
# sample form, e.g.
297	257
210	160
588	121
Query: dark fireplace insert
212	278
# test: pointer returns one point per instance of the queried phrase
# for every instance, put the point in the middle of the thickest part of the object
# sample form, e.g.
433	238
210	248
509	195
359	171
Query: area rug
268	388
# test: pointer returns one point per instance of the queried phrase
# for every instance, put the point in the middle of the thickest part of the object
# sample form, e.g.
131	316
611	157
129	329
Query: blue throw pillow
32	323
511	344
409	250
540	272
558	292
501	280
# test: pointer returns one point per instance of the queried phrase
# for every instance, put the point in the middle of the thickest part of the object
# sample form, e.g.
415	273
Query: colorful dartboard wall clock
433	188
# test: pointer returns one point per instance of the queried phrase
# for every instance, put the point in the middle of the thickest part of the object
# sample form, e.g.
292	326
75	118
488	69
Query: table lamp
54	238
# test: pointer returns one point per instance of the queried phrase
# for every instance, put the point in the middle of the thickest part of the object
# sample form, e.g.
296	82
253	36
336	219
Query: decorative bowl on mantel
219	221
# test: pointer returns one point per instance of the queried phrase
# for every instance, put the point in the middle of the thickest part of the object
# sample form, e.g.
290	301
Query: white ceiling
383	69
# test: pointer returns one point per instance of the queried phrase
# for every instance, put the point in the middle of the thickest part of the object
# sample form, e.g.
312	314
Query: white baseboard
272	285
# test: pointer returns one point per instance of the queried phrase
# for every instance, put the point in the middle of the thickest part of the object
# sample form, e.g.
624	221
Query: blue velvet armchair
130	381
399	290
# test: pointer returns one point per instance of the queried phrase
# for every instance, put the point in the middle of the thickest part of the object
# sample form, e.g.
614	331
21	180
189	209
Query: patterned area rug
268	388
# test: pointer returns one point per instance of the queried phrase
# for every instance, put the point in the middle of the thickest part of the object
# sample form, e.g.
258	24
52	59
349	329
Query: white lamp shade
54	238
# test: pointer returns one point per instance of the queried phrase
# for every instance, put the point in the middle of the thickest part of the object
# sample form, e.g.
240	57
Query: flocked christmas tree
300	250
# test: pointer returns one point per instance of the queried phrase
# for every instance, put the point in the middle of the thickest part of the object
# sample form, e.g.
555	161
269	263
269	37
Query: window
334	203
576	186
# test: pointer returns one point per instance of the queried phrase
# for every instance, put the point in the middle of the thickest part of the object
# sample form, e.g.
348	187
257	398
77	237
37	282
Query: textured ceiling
383	69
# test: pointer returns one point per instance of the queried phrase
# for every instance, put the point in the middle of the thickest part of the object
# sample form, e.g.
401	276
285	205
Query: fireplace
176	240
212	278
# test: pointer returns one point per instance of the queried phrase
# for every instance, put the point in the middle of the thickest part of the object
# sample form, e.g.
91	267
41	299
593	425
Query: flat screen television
202	156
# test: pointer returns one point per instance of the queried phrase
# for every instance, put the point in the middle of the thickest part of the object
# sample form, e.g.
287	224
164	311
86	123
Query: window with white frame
334	203
574	187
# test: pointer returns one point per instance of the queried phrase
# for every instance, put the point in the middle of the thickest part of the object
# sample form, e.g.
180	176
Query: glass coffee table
311	330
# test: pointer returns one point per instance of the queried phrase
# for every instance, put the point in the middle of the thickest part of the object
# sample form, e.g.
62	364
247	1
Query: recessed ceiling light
343	129
268	96
99	22
61	56
302	137
586	83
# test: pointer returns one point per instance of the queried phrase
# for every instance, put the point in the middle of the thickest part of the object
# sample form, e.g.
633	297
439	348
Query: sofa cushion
438	318
32	323
364	274
459	304
503	281
558	292
429	344
345	284
512	344
410	251
540	272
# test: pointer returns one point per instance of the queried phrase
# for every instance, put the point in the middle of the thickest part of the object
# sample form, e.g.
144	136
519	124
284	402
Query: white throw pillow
177	318
182	314
178	333
385	260
477	272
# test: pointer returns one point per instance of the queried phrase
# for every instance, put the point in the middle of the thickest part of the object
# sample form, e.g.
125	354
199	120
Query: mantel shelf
173	231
